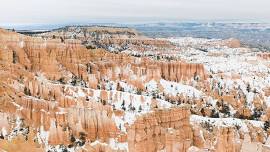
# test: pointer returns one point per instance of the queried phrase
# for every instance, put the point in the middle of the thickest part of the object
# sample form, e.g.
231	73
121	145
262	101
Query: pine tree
248	88
140	108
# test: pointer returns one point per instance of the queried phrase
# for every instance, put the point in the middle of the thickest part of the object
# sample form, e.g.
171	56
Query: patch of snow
175	88
227	122
118	146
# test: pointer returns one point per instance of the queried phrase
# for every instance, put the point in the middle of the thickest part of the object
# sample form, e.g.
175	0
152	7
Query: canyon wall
125	93
167	130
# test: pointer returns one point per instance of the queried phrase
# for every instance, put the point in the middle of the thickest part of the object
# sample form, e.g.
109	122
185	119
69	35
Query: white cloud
49	11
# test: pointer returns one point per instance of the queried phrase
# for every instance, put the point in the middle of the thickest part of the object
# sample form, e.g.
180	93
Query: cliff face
265	56
167	130
175	71
55	87
233	43
57	59
132	94
97	124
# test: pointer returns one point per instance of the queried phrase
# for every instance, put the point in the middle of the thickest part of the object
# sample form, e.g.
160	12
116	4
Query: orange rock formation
161	130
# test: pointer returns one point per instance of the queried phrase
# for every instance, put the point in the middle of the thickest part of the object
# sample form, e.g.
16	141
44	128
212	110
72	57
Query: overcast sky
64	11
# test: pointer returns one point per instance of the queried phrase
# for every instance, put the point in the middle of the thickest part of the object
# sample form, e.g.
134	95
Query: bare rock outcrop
161	130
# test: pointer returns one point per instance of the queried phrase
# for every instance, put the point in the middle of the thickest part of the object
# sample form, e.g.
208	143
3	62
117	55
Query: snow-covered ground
232	68
227	122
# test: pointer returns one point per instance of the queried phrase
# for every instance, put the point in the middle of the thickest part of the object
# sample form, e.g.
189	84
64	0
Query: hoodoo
112	89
